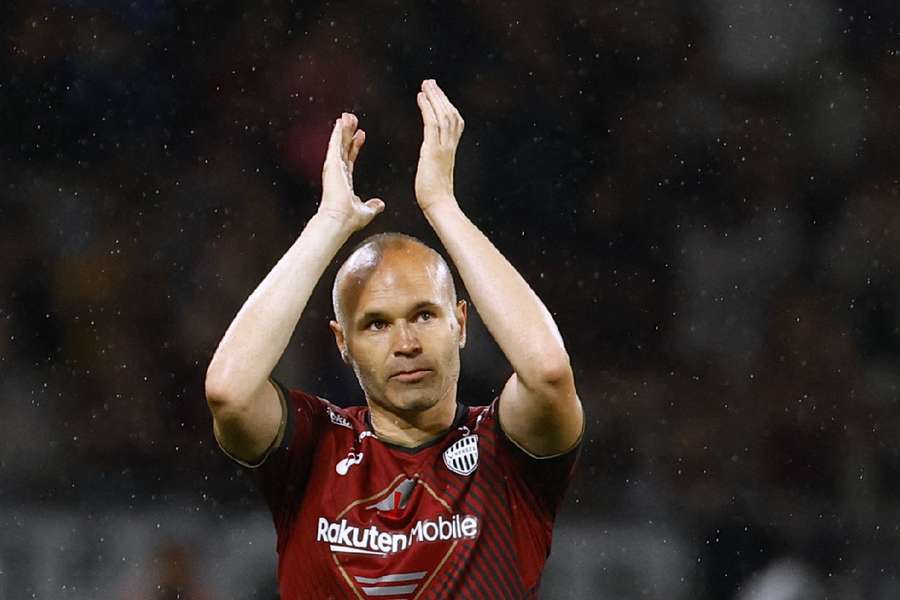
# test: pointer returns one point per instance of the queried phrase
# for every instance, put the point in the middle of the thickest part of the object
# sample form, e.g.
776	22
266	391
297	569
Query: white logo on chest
462	456
344	464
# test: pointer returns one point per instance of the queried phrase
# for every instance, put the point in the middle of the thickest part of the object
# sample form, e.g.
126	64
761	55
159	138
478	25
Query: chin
412	401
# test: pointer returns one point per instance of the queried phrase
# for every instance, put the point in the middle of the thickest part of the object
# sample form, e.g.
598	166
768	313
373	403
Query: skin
397	312
539	408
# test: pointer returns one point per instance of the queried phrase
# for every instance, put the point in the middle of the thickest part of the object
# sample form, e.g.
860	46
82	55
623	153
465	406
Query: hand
339	202
443	128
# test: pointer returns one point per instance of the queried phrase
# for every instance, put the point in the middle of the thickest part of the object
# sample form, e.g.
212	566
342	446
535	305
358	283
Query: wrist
443	213
335	224
438	203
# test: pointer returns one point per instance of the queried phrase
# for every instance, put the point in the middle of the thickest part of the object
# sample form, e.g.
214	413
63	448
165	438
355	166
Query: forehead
399	277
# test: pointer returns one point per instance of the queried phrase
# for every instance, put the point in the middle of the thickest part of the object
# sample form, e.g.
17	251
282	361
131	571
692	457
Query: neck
416	427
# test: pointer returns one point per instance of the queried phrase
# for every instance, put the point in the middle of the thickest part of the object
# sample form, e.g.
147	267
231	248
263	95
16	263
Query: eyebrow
377	314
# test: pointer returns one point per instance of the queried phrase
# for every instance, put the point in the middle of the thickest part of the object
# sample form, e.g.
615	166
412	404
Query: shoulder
485	420
545	478
313	416
482	418
339	416
303	401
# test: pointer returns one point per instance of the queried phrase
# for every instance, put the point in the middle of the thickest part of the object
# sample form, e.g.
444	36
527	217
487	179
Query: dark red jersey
468	515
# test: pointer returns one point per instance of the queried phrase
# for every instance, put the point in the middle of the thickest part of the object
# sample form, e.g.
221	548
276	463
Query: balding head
402	251
399	324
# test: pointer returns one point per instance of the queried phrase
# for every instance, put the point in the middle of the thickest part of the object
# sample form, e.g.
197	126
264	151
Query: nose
406	343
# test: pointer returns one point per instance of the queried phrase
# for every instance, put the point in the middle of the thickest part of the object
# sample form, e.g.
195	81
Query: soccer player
415	495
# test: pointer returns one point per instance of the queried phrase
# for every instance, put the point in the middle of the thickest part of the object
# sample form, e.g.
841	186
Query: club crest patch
462	456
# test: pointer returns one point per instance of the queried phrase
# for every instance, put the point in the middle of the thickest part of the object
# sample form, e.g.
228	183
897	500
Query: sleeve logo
339	419
462	456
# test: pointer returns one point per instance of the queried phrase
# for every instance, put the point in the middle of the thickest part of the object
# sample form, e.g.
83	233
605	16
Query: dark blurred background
704	194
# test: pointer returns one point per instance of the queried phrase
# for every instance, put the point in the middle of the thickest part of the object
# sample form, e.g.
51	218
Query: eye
377	325
426	315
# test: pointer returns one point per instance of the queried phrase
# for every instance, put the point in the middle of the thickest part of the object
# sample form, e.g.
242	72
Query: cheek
447	345
367	356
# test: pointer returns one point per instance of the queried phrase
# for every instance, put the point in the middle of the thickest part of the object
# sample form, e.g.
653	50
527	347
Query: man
414	495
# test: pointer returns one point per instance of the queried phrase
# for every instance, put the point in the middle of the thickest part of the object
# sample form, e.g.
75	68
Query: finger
370	209
442	108
349	128
428	118
442	99
455	119
359	138
440	115
334	143
440	120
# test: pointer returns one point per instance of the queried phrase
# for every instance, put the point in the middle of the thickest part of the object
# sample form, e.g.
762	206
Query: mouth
411	376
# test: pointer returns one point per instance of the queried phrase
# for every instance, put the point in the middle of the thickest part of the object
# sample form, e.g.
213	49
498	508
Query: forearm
259	334
515	316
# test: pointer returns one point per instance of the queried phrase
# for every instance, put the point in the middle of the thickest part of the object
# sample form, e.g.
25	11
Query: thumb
375	206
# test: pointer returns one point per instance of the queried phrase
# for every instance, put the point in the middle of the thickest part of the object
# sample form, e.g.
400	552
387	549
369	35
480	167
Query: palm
339	201
338	178
443	127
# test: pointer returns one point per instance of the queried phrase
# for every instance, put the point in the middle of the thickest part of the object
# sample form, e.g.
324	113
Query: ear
462	314
339	340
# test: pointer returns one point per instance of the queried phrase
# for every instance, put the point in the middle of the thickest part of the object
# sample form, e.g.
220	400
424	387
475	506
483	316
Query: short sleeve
283	471
547	477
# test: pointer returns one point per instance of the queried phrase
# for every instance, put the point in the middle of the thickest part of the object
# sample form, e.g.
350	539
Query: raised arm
244	403
539	408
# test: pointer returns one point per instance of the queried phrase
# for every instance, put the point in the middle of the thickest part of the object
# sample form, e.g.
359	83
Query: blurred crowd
704	194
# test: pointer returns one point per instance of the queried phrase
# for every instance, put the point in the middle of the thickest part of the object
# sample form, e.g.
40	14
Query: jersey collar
458	420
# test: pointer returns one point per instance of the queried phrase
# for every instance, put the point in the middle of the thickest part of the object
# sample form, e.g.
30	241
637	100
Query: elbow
558	376
231	395
223	407
216	396
554	372
220	395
